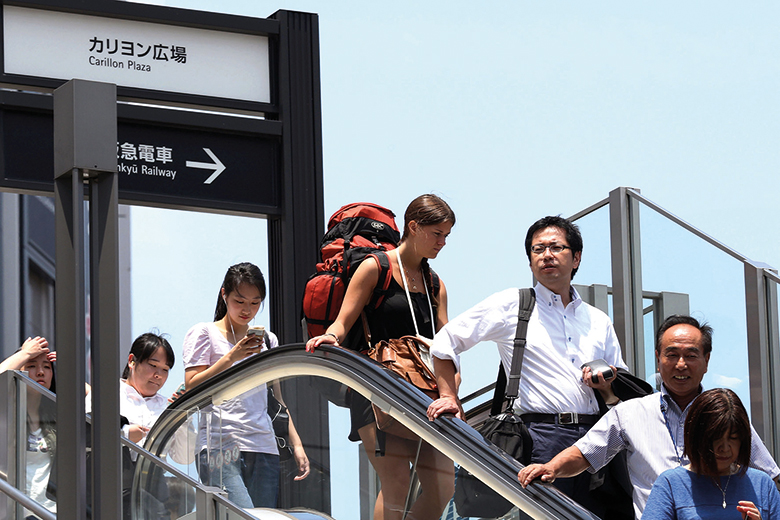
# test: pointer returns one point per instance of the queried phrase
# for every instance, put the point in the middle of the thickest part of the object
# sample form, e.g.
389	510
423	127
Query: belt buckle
568	418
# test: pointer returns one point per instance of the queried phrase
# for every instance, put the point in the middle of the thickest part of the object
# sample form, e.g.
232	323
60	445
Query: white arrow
217	166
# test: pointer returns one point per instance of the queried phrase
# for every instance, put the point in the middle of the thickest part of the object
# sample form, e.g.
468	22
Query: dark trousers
551	439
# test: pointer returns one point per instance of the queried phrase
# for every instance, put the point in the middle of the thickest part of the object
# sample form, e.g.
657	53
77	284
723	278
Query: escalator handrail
452	437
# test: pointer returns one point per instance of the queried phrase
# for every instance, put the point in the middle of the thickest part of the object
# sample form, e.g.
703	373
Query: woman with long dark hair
414	305
717	484
241	454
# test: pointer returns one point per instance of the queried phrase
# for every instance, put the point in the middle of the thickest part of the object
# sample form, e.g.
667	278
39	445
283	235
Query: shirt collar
132	393
671	402
547	296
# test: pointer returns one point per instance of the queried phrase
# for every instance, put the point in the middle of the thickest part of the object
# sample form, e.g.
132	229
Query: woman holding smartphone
414	305
241	453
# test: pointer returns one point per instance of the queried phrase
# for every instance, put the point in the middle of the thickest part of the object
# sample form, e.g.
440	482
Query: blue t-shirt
682	494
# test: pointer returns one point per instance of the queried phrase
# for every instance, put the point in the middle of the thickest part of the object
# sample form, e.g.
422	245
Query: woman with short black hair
718	480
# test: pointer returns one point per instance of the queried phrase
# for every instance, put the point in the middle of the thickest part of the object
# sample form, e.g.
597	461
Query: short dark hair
713	414
145	346
680	319
573	236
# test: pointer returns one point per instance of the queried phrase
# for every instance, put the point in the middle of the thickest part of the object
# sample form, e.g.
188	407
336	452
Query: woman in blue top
717	484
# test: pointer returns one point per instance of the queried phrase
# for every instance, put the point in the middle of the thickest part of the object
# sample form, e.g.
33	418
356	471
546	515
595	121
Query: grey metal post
595	294
104	317
85	139
763	359
10	287
8	431
69	326
669	303
627	277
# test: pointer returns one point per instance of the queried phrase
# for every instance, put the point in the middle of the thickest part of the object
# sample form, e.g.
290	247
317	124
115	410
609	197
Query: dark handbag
506	430
280	419
402	356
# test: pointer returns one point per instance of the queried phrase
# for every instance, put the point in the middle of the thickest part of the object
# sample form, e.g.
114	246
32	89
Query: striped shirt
650	429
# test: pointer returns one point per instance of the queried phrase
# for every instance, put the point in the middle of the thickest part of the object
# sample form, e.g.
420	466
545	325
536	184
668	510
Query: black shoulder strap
436	282
526	307
383	284
509	391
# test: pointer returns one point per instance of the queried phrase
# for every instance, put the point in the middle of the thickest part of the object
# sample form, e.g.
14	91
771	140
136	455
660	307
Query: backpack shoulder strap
526	307
385	276
436	282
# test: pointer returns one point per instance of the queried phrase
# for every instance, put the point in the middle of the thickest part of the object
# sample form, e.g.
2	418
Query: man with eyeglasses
556	396
650	429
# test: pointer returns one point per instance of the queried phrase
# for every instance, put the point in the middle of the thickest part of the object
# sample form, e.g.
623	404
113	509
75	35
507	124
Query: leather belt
561	418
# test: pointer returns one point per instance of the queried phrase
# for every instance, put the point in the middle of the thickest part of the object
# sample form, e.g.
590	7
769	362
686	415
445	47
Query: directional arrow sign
217	166
154	164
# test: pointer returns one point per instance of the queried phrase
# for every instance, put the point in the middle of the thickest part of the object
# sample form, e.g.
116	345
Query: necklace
411	279
723	490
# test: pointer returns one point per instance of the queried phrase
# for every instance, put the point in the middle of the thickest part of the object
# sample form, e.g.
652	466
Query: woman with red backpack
414	304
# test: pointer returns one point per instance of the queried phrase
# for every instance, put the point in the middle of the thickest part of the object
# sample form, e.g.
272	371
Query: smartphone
256	331
599	365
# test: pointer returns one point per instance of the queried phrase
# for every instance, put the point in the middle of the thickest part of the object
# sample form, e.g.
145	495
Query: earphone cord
230	322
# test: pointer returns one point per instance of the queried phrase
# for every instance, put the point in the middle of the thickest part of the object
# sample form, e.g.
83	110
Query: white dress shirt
640	427
558	342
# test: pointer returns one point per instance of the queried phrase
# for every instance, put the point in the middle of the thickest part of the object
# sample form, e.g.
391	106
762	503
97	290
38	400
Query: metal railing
13	464
761	303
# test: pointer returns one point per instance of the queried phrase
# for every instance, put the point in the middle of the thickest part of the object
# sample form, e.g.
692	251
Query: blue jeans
251	481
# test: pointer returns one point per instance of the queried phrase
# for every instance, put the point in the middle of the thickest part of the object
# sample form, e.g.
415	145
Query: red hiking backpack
355	232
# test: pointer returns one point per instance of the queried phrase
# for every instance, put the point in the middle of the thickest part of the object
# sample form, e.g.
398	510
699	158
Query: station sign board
157	164
130	53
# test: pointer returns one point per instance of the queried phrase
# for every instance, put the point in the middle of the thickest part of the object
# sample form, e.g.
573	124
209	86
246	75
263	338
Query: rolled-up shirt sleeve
760	457
602	442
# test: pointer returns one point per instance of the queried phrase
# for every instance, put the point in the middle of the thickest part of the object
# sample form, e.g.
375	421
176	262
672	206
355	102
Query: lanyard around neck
669	429
409	297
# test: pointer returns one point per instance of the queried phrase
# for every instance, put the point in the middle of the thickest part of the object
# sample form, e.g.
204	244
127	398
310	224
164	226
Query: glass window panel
37	444
596	263
674	259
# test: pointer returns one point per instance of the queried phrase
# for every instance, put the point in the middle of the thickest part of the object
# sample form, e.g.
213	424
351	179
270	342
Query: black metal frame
292	120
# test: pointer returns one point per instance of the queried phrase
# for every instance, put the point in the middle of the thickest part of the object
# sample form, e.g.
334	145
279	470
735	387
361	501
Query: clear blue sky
512	111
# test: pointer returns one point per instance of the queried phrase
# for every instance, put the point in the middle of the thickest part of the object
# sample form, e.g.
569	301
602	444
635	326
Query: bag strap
409	297
525	308
383	283
379	293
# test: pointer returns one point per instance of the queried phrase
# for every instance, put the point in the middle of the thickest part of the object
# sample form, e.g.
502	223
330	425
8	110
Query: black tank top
392	319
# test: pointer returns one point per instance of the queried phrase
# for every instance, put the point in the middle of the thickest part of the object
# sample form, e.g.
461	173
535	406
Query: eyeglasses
555	249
